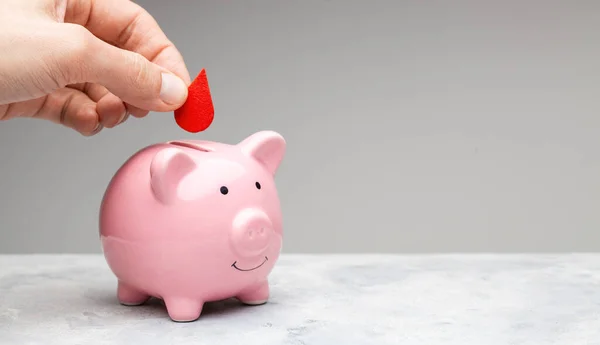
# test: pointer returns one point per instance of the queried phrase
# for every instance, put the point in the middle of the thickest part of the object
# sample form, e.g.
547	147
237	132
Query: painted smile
249	269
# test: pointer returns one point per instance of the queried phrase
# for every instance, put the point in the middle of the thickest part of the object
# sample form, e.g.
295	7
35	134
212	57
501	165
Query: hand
86	64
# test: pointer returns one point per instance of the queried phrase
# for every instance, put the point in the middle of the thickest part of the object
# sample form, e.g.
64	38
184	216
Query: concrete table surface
320	300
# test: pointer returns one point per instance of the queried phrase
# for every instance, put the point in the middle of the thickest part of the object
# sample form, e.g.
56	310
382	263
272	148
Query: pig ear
167	169
267	147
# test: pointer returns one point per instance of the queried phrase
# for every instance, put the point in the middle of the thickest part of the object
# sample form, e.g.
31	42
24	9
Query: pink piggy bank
194	221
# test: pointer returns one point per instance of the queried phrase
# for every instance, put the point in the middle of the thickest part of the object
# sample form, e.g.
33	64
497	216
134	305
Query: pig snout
252	231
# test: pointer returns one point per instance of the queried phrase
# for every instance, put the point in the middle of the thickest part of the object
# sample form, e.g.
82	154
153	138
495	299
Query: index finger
127	25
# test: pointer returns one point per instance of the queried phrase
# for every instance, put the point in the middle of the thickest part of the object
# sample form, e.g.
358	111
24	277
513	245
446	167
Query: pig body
193	222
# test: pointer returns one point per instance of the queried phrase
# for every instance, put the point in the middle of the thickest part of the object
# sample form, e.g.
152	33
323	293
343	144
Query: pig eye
224	190
257	185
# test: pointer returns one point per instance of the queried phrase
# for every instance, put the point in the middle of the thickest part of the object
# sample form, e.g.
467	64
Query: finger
103	95
94	91
69	107
85	58
99	92
111	109
128	26
73	109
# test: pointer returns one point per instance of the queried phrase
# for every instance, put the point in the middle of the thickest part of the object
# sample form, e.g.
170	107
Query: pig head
234	183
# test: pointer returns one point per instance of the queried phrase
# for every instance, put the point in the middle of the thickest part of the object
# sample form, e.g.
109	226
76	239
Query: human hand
86	64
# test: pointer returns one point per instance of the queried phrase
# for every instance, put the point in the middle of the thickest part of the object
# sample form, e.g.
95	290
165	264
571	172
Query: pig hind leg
255	295
130	296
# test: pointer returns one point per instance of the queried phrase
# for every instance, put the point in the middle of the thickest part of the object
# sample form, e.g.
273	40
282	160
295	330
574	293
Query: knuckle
79	41
83	119
142	73
89	125
125	36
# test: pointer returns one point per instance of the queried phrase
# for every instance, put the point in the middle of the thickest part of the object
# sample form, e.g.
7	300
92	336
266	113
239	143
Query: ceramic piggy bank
193	221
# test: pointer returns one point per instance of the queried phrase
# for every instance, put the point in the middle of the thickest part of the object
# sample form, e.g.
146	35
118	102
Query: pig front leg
183	309
255	295
130	296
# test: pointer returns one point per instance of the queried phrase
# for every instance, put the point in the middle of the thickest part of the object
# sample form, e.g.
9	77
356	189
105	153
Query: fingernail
173	90
96	130
123	117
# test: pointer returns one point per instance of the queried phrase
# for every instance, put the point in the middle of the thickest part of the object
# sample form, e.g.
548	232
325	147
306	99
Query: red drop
197	113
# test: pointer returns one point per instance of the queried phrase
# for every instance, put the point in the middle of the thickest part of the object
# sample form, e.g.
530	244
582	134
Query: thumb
126	74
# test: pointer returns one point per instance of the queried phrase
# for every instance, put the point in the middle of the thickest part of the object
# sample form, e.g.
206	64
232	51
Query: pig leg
256	295
183	309
130	296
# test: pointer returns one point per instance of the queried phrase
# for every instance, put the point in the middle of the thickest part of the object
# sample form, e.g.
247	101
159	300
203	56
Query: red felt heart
197	113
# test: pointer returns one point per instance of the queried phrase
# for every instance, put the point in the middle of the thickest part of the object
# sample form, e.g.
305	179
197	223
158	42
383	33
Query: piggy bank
194	221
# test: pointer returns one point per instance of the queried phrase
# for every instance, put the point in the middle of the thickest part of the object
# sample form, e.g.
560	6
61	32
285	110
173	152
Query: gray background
412	126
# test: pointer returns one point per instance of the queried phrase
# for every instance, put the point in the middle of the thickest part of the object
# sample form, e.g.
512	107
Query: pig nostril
257	232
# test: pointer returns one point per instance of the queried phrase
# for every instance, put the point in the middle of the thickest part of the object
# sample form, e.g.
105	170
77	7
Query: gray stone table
321	300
